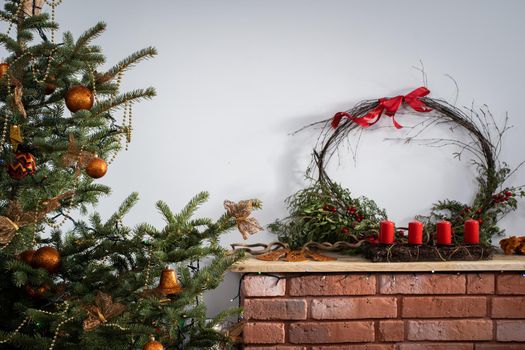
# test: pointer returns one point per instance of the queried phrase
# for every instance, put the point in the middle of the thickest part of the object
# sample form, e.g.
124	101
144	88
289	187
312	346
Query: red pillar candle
471	233
386	232
415	232
444	233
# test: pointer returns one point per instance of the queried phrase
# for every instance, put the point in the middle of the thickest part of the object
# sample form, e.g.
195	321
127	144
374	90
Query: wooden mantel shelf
359	264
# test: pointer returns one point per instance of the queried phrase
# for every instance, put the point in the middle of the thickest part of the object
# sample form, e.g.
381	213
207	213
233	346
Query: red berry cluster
502	197
345	230
476	216
330	208
352	211
373	240
465	211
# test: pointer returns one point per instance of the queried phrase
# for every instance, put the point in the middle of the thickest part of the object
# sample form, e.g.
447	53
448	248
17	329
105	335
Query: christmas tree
90	284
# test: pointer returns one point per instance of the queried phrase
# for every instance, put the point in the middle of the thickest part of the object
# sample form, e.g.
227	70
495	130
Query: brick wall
384	311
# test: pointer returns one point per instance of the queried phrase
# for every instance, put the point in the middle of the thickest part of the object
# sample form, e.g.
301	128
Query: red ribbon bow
389	106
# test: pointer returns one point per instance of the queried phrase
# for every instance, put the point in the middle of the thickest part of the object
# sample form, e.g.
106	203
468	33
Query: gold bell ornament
4	68
168	284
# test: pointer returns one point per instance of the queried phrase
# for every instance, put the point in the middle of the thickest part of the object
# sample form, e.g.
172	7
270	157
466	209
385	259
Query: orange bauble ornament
153	345
79	97
97	167
27	256
36	292
47	258
4	68
50	85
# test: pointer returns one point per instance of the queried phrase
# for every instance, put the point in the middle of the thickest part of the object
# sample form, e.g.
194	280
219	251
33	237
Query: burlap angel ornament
241	211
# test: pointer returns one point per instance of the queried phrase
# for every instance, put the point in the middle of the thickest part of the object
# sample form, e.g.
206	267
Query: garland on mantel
327	212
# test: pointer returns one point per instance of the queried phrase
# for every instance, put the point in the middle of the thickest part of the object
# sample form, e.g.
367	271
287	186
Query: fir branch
10	44
131	61
166	212
88	36
132	96
193	205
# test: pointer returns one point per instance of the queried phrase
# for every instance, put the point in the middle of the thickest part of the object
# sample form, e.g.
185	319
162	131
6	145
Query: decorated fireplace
357	305
344	276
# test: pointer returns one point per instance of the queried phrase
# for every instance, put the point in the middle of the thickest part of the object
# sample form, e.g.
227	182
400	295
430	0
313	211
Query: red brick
422	284
275	309
356	347
263	286
510	330
391	330
508	307
263	333
354	308
503	346
331	332
457	306
436	346
511	284
277	347
450	330
355	284
480	283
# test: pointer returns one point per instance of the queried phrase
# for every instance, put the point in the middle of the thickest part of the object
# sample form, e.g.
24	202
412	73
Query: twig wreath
327	212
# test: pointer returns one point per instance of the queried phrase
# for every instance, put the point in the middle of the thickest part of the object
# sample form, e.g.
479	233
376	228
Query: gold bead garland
117	84
50	59
6	340
115	325
130	126
32	59
64	321
53	5
4	130
13	19
55	336
127	123
148	269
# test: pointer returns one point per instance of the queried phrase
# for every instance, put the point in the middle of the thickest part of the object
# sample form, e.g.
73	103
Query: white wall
234	78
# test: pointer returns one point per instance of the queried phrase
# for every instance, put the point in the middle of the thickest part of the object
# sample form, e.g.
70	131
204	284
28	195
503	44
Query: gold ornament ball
47	258
27	256
4	68
36	292
79	97
97	167
50	85
153	345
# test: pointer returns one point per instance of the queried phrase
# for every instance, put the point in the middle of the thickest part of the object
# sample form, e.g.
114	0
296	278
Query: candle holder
406	252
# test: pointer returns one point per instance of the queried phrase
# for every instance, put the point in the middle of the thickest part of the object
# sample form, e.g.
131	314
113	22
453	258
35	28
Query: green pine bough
327	212
45	309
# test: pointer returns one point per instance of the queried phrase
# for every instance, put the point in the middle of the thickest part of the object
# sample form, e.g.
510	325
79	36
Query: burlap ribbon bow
103	309
15	217
241	211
